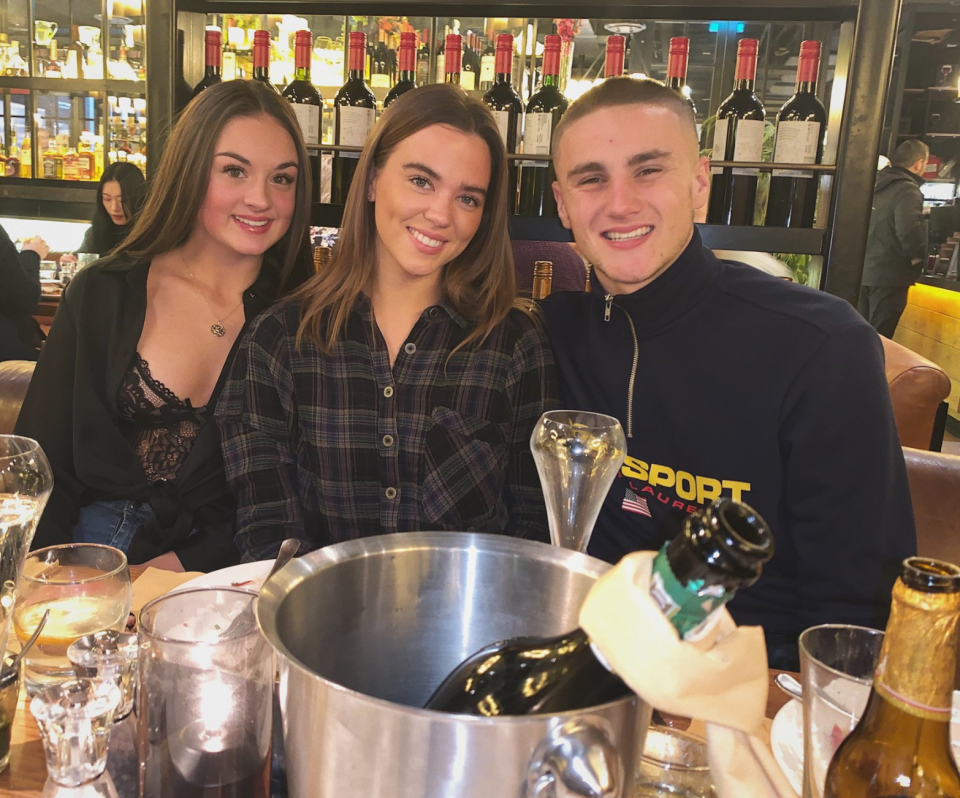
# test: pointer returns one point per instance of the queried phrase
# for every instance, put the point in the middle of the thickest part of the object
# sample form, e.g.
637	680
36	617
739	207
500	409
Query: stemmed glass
26	481
578	455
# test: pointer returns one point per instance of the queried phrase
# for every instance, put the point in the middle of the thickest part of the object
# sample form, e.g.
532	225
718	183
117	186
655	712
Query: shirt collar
433	313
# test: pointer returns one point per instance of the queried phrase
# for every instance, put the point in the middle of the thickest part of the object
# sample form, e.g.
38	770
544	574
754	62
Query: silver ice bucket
366	630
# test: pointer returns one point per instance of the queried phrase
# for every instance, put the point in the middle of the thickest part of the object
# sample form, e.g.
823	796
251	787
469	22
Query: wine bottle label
487	65
441	68
537	134
309	118
503	123
355	125
748	143
689	607
229	66
719	145
796	143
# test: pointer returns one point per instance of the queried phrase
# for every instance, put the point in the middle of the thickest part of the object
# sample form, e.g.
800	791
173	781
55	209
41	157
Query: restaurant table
27	771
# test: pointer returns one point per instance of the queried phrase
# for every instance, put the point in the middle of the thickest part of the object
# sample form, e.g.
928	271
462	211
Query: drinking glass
9	693
578	455
674	764
205	702
837	662
87	589
25	484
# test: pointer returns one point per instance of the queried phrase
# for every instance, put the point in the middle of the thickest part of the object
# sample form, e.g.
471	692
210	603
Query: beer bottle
542	279
901	746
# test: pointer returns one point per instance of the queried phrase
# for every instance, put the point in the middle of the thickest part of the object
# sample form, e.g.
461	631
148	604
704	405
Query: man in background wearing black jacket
727	381
896	244
19	296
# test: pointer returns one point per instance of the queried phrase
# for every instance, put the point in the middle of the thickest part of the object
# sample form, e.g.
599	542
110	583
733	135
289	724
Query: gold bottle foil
918	657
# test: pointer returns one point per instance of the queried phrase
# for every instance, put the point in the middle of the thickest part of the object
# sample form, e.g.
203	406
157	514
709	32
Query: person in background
727	381
20	335
120	196
896	242
123	395
398	389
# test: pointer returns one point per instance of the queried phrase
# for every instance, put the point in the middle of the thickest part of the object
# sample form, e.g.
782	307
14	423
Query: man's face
629	179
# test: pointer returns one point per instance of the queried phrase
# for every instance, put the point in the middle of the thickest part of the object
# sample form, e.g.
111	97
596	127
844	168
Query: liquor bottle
901	745
52	67
800	127
182	93
423	59
720	549
261	58
408	64
452	58
73	64
488	65
543	113
212	60
470	71
738	136
677	58
301	92
613	59
542	279
356	107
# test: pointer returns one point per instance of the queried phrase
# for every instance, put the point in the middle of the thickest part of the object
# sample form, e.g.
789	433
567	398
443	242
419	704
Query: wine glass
578	455
25	484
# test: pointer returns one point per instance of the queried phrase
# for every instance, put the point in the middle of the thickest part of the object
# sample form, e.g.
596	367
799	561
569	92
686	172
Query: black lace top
158	425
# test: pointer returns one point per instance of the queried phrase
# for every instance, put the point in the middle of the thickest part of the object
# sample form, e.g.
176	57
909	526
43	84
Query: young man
728	382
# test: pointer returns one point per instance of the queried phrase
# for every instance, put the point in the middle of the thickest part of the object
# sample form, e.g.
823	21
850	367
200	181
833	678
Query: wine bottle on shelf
470	70
452	58
542	280
382	72
507	107
901	745
408	65
543	113
677	58
356	108
261	58
212	62
423	59
720	549
182	93
307	103
488	65
738	136
800	127
613	59
441	74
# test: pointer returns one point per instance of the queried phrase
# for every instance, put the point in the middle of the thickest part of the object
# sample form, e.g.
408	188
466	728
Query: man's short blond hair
625	91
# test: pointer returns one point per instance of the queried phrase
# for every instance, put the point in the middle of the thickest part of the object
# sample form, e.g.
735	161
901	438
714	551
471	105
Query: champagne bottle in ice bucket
578	455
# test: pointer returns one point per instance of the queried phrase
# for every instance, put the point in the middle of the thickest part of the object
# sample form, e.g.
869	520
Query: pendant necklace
217	328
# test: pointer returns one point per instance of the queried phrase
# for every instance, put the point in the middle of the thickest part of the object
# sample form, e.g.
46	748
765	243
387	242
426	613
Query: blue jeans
111	522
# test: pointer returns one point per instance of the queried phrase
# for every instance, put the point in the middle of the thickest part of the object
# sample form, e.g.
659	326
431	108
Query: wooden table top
27	771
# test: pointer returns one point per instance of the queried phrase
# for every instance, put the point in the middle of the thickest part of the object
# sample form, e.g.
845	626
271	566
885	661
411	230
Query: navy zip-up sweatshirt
747	386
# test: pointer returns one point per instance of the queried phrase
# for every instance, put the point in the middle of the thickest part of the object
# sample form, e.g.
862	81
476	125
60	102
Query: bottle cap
505	41
679	44
303	38
212	37
809	61
747	59
543	268
748	47
358	39
551	55
408	39
453	53
616	42
551	42
677	57
261	37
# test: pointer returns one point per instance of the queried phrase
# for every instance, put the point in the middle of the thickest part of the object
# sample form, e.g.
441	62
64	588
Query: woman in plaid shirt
397	390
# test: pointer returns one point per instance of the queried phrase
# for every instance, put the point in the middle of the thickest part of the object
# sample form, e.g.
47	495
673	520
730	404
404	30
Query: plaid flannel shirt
331	447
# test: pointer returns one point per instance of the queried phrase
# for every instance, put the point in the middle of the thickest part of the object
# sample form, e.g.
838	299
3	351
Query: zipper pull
606	309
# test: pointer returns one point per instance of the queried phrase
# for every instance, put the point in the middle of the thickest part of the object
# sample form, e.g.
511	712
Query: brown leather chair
918	388
14	379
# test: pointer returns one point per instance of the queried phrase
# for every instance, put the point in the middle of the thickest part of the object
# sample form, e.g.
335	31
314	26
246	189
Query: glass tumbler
205	701
674	764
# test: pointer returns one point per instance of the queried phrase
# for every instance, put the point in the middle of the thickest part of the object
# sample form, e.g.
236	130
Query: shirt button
390	493
388	391
388	440
410	348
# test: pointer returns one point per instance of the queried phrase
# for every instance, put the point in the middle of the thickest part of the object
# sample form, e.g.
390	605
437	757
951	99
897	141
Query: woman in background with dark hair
119	198
122	399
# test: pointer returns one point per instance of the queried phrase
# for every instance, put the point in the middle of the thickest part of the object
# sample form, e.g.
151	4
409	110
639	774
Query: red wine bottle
488	65
212	55
470	75
738	136
182	91
423	59
506	105
356	109
452	58
304	96
720	549
408	67
800	127
677	69
613	60
261	58
543	113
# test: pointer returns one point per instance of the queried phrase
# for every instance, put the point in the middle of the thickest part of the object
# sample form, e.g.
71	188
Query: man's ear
561	208
701	183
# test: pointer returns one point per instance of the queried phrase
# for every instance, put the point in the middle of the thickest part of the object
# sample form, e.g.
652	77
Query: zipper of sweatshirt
608	299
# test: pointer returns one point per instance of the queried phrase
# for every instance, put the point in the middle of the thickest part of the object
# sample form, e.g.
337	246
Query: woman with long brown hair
397	390
122	399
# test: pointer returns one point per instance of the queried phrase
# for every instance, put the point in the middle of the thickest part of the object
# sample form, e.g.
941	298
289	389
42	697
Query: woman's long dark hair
105	235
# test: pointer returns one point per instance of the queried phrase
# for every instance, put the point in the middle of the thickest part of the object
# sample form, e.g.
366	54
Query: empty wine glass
578	455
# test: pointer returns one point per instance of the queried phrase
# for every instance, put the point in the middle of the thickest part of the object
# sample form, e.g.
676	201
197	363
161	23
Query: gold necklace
217	329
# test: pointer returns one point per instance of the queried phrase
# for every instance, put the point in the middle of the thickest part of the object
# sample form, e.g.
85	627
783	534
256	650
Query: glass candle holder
674	764
111	656
206	696
74	719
